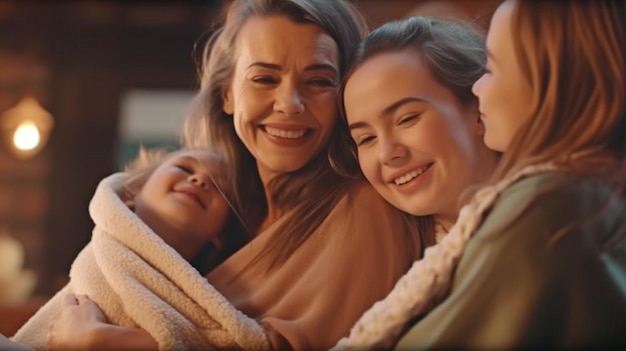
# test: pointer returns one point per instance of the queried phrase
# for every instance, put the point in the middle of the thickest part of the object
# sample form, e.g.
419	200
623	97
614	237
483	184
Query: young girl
547	263
204	235
413	120
178	199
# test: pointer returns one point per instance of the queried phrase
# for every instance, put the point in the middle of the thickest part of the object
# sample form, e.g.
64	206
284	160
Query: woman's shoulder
362	190
557	189
541	206
362	203
363	206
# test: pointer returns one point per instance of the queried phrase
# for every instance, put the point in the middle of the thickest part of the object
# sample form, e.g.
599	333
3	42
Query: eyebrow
313	67
389	110
188	158
207	166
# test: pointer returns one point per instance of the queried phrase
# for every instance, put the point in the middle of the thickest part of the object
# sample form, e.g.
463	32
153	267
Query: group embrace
418	186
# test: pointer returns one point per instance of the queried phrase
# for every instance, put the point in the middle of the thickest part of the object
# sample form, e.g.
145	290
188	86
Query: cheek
324	107
218	211
427	135
369	165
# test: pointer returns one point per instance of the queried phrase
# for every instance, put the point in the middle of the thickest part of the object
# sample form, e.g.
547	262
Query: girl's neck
445	222
186	247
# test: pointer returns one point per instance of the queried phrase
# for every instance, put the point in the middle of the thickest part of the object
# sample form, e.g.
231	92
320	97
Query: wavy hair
310	192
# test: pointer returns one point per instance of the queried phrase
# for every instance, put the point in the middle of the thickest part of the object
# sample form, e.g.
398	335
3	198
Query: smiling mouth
193	196
403	179
291	134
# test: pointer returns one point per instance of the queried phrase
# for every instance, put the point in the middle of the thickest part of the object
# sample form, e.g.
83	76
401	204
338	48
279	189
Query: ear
227	100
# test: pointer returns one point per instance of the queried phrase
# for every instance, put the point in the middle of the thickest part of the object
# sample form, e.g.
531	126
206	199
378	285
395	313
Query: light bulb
26	136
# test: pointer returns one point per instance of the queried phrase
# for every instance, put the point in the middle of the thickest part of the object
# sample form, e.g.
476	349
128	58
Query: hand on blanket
81	325
74	326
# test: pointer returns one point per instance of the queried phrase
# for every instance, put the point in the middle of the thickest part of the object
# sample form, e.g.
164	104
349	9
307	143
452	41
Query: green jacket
515	288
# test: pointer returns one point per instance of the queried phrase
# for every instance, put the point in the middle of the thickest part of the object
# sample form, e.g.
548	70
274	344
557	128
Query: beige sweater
352	260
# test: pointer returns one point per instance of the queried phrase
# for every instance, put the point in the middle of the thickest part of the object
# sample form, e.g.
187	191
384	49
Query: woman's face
417	144
505	95
282	95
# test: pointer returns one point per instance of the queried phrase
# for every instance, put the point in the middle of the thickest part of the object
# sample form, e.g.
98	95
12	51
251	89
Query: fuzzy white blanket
139	281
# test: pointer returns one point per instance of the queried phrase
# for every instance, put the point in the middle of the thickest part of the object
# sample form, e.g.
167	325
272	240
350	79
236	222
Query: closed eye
322	82
408	119
184	168
265	80
362	141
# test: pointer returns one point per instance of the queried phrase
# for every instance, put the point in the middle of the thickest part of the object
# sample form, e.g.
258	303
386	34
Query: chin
493	144
417	209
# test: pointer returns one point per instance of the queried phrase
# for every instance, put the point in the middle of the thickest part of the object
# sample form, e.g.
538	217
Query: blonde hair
311	191
139	170
572	53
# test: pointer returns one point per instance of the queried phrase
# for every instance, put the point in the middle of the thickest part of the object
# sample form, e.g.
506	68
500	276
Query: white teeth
410	176
287	134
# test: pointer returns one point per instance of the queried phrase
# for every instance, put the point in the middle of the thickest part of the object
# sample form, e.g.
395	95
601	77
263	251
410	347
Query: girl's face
180	202
417	144
282	95
504	93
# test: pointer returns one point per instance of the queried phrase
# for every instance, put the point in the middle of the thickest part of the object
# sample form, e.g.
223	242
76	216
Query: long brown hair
572	53
310	192
455	55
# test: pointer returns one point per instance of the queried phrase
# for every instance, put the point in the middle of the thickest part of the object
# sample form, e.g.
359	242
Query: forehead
386	78
499	34
276	39
201	156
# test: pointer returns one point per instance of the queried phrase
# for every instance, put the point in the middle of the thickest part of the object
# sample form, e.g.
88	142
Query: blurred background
82	85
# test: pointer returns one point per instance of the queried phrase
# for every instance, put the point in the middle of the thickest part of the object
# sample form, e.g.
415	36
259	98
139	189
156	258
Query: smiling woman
283	93
416	127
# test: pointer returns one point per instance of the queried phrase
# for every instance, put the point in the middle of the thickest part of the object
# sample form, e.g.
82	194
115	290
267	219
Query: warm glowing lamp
26	127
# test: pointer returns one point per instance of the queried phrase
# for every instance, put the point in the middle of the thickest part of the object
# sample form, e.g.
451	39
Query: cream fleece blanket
139	281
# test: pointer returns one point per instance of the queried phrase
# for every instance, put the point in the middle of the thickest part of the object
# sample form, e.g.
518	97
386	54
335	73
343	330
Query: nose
476	86
391	153
289	100
200	180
